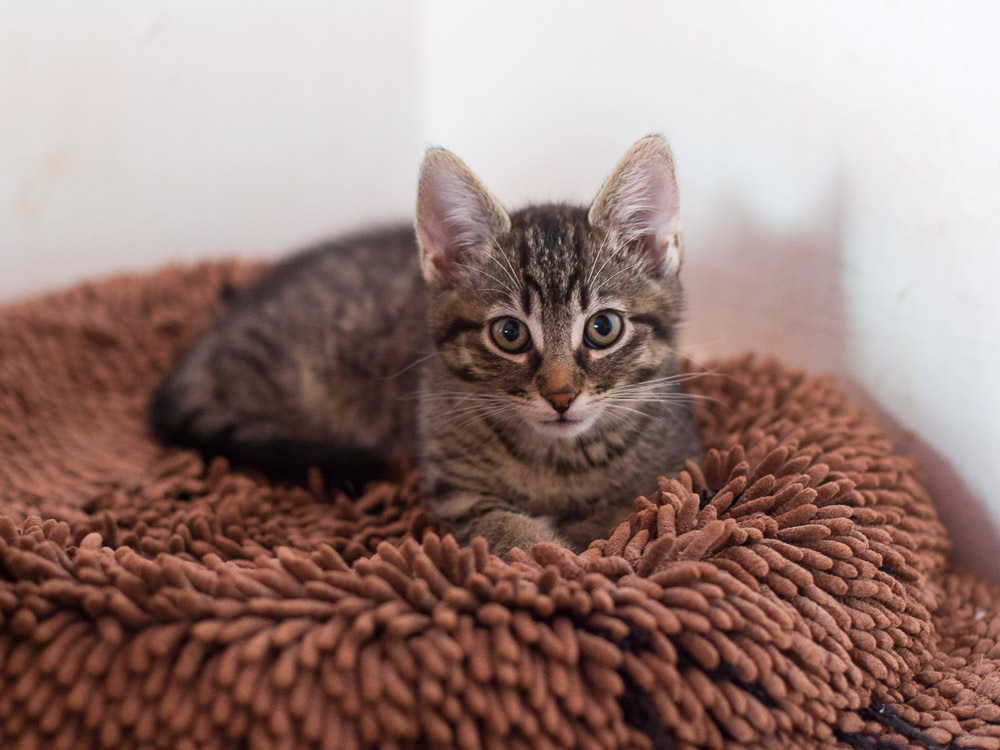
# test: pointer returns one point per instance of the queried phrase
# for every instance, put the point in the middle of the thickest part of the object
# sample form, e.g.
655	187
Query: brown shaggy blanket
791	590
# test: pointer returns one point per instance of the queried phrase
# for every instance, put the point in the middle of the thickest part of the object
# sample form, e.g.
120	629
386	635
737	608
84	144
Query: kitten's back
311	367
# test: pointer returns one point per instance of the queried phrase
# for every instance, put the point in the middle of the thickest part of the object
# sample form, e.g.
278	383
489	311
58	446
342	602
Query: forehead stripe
530	281
574	281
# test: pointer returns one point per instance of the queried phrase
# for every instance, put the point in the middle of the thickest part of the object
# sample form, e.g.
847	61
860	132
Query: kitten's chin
565	428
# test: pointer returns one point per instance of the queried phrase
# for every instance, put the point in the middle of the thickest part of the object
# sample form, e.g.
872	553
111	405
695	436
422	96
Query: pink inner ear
456	215
443	211
647	205
654	198
438	252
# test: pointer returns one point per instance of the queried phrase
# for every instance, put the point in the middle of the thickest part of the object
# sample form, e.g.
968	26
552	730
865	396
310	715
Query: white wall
136	132
839	163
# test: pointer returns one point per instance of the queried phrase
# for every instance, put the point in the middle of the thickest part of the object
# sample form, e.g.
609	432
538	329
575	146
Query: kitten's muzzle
562	398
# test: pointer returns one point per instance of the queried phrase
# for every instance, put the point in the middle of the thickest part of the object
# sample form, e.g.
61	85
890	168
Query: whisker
436	392
597	256
443	421
464	406
663	398
636	411
484	415
668	403
476	411
705	370
634	266
684	425
670	380
663	389
412	364
489	275
617	250
464	400
506	267
459	400
677	377
620	416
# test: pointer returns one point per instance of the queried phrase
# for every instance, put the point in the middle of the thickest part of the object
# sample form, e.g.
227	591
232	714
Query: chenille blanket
791	589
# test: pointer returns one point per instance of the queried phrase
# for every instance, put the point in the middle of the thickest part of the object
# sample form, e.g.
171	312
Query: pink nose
562	398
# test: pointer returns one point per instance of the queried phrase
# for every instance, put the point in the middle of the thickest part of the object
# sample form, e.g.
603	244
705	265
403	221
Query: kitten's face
556	326
554	317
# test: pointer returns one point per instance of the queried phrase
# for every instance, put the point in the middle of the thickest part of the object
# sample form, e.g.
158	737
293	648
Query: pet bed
790	590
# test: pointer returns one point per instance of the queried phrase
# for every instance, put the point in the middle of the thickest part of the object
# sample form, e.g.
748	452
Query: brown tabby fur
365	348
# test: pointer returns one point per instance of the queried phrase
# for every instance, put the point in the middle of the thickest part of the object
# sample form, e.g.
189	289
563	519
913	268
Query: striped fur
346	348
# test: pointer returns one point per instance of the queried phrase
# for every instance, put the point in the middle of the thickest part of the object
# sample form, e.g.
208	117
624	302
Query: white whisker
485	414
412	364
484	273
653	417
506	267
667	398
634	266
597	257
615	252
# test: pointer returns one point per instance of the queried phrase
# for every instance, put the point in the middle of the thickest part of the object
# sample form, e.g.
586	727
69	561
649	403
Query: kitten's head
554	316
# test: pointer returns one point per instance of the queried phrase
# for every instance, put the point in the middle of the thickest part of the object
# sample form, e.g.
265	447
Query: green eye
602	329
510	334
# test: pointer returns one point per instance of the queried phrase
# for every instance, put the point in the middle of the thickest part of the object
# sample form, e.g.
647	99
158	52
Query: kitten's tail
178	415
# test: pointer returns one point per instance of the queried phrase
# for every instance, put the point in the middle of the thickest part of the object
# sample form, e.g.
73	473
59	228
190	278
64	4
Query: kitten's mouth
564	426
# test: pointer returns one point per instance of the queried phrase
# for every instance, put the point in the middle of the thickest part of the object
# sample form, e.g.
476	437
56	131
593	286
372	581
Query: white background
839	164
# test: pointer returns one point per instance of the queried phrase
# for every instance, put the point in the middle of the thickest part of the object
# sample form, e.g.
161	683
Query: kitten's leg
470	515
505	529
580	532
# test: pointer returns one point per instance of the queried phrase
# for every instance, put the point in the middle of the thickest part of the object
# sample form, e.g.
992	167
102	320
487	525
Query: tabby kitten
527	358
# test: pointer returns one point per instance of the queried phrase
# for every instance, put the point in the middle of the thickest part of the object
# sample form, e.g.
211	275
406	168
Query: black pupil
511	331
602	325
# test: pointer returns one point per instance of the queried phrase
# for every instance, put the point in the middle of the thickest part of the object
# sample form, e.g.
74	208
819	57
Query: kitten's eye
602	329
510	334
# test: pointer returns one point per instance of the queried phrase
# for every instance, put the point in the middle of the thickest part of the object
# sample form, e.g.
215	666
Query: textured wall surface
838	164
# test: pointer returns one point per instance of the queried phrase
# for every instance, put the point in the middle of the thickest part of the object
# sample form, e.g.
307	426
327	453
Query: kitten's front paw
507	531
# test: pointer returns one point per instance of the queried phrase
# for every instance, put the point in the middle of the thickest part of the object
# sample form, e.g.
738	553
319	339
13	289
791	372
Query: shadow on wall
974	536
751	287
778	291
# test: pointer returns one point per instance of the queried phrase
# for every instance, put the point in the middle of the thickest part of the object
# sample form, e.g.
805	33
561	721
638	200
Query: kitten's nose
562	398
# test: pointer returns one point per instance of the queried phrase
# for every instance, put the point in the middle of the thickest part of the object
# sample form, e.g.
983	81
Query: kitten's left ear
457	217
639	205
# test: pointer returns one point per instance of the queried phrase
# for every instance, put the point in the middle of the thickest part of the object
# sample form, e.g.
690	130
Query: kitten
527	358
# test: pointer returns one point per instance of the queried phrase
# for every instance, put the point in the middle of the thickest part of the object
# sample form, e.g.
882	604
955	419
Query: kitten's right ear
639	208
457	217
